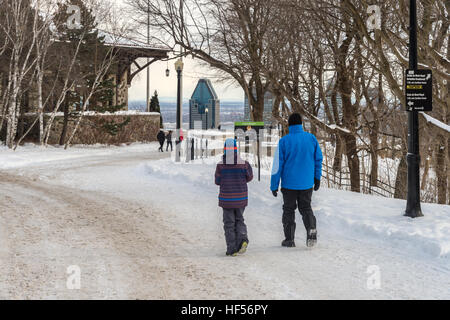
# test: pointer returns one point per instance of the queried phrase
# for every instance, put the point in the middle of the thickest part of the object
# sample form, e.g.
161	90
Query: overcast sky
167	86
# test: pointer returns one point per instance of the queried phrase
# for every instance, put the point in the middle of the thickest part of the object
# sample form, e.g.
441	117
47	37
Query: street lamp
413	208
179	68
147	107
206	110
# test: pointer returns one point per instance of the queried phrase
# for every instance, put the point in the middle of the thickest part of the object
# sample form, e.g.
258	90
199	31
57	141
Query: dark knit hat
295	119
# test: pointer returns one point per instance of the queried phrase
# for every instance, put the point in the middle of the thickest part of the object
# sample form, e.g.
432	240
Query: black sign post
419	90
413	209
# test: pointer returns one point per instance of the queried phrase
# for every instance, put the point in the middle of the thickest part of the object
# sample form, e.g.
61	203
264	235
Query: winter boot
288	243
311	238
289	233
243	247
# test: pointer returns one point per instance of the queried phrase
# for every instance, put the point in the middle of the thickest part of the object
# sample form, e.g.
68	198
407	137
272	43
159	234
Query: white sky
167	86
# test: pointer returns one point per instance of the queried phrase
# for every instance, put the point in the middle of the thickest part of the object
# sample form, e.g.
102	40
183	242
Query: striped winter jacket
232	179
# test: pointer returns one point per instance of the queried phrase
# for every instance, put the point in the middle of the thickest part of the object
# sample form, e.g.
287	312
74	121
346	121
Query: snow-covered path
143	228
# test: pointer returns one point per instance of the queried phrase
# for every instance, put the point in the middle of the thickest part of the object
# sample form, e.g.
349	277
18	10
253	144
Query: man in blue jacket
298	163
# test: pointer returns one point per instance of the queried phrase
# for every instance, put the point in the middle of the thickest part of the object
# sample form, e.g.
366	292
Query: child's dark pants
235	228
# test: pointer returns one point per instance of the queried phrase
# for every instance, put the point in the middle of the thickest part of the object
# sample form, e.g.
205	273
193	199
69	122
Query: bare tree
106	56
20	17
227	35
5	26
433	39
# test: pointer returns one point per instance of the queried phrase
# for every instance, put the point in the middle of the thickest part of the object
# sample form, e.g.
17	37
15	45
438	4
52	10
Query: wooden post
363	172
326	162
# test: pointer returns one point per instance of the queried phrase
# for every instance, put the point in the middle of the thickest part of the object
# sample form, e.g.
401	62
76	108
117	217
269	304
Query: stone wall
97	129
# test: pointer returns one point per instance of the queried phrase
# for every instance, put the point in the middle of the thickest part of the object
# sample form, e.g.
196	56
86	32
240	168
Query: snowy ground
142	227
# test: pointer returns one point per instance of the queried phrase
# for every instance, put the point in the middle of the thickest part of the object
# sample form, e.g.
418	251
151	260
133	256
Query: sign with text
419	90
247	126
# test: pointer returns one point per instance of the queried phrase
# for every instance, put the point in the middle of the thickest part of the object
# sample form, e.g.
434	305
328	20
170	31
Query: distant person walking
161	137
232	175
298	164
169	141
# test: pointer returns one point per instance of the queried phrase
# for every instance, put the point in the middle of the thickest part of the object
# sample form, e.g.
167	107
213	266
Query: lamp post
413	209
206	110
179	68
148	67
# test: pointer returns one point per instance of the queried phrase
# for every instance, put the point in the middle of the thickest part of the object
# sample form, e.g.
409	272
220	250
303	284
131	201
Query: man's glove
275	193
316	184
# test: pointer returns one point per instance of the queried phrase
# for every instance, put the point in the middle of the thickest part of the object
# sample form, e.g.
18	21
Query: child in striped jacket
232	175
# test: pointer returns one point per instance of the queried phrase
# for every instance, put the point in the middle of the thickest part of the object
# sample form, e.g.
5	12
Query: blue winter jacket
297	161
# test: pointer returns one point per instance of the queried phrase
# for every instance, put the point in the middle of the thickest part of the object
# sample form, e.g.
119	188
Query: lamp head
179	65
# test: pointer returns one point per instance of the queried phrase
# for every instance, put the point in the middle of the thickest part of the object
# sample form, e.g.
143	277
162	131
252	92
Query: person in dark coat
298	164
169	141
232	175
161	137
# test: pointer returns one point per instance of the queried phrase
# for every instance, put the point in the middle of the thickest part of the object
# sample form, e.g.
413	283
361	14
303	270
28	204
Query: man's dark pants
235	228
169	142
293	199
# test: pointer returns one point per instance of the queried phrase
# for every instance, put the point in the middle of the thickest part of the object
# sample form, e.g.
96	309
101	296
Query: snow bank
368	218
364	217
94	113
178	205
436	122
33	155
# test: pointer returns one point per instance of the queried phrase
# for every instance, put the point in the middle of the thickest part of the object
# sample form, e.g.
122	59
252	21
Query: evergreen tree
155	107
91	54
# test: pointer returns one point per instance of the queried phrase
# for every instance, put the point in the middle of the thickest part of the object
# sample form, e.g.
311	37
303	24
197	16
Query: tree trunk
40	103
448	162
441	170
374	154
401	179
374	133
11	126
426	170
350	122
20	126
337	161
313	128
62	139
258	109
353	162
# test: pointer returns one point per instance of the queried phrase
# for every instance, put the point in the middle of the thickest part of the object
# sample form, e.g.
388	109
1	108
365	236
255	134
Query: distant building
268	107
204	107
